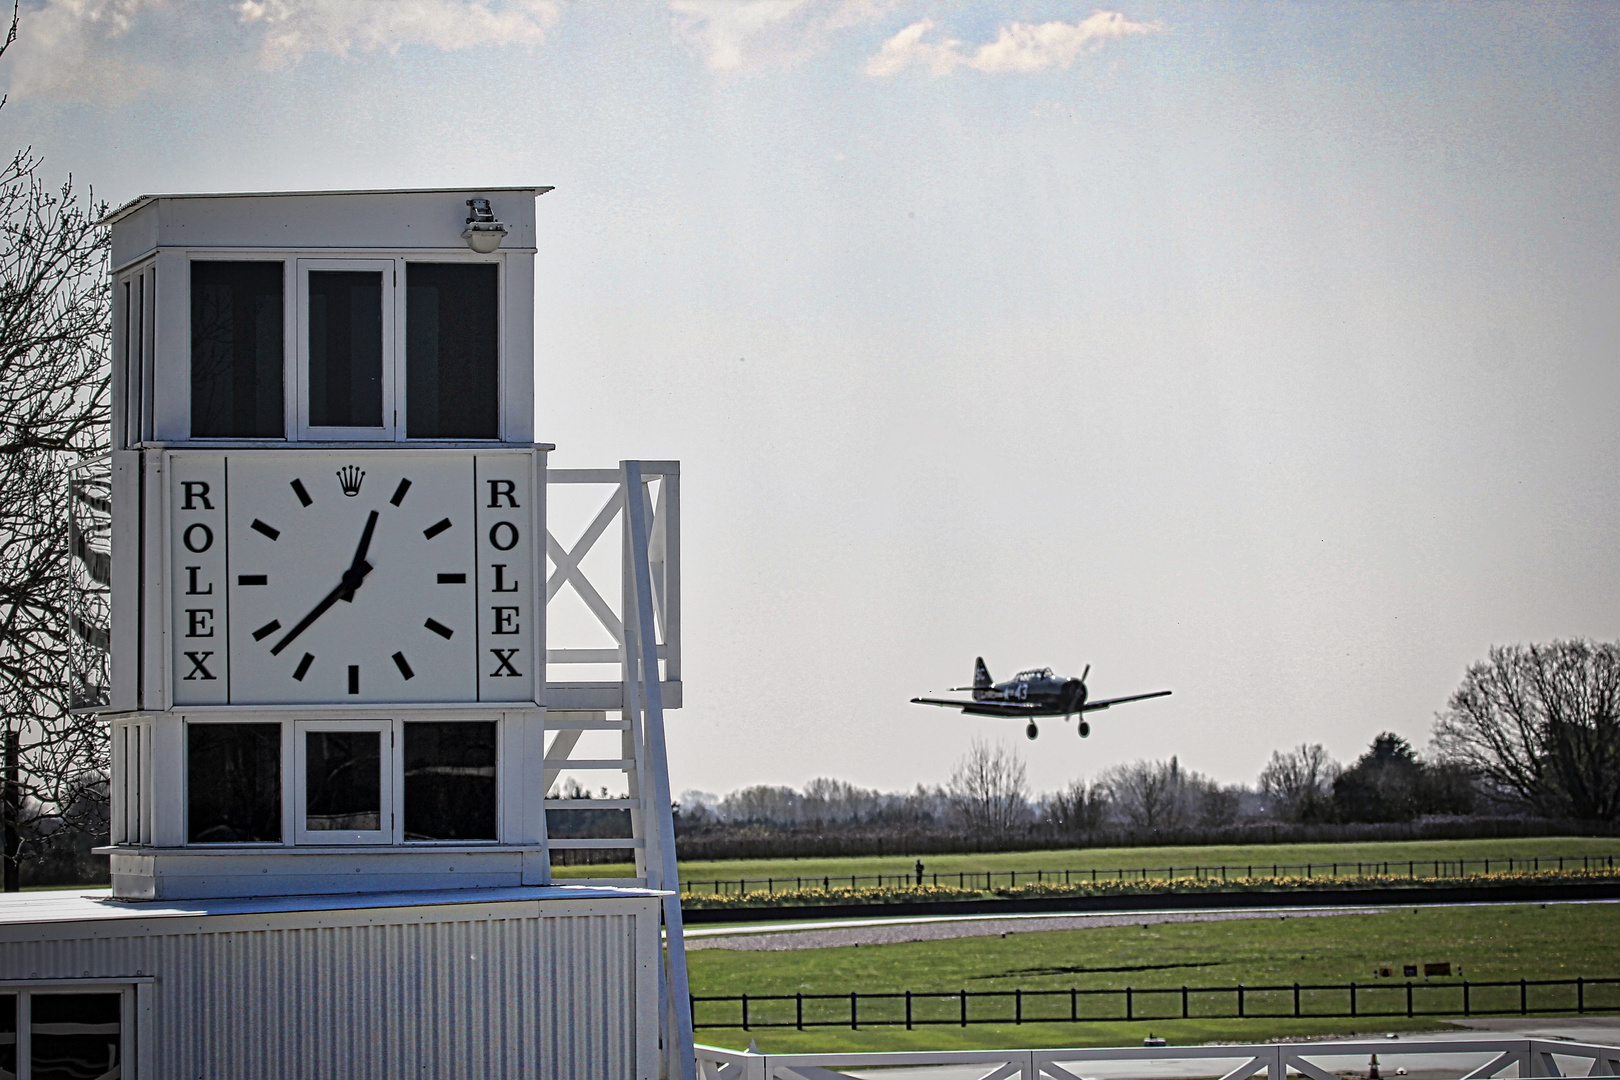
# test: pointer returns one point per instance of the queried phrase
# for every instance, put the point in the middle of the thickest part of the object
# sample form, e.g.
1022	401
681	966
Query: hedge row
894	894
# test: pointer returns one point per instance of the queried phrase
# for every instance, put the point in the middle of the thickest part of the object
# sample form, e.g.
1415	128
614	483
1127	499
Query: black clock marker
439	628
404	668
252	579
303	667
452	579
267	629
399	497
434	530
259	526
354	678
298	490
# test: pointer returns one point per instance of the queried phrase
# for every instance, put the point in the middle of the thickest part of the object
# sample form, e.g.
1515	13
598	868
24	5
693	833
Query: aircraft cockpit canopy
1033	674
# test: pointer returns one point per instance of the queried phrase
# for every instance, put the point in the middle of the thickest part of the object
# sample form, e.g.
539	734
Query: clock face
352	576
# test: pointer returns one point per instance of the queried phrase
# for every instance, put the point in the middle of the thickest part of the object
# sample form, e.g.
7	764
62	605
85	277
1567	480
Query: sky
1265	353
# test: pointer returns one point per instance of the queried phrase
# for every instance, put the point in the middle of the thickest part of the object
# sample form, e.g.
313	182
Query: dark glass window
233	783
8	1037
75	1036
343	780
451	360
236	350
450	781
345	348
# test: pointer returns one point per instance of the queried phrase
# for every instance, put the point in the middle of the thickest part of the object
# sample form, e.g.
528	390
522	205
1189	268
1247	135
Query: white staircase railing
646	500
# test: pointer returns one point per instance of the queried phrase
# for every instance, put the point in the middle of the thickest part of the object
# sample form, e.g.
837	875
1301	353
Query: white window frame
129	1038
392	363
388	781
500	780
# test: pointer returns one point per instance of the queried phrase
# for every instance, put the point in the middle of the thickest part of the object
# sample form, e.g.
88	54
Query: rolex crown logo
350	478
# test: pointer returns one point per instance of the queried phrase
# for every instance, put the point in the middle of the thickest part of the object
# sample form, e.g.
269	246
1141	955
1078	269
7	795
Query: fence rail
1412	868
959	1008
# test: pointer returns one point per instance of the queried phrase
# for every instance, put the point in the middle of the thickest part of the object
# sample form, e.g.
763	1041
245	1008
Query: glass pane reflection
345	348
450	780
8	1037
75	1036
343	780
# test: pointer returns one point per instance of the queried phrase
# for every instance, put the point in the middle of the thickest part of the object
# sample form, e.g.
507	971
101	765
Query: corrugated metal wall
379	993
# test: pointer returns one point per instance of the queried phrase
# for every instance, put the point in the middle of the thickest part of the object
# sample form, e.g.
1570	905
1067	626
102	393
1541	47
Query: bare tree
988	789
1541	724
54	320
1147	794
1298	783
1078	810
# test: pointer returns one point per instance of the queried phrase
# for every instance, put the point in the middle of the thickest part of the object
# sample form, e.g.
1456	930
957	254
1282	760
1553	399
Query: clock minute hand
352	577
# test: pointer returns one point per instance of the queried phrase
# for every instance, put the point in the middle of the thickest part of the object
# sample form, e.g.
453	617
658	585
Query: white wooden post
652	705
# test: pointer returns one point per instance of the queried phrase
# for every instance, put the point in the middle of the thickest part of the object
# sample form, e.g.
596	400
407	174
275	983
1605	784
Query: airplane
1033	693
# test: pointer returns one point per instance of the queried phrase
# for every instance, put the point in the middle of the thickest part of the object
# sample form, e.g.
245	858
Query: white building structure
328	698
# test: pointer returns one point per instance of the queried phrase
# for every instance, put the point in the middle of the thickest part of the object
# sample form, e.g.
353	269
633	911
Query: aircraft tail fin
981	676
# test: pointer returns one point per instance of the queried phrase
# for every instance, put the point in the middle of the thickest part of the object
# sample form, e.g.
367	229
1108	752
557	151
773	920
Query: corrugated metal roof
81	905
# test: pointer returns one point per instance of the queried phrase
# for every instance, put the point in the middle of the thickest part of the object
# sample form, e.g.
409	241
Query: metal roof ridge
139	201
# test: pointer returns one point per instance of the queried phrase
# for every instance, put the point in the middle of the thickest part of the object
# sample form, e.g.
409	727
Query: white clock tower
328	696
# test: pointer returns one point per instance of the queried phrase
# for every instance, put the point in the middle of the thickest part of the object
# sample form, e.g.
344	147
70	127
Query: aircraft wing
984	708
1103	704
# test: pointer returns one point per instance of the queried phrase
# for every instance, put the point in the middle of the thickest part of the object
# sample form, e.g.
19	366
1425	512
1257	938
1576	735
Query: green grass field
1489	943
1182	858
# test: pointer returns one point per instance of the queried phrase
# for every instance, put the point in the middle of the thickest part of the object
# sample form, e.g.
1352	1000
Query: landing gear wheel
1085	729
1032	731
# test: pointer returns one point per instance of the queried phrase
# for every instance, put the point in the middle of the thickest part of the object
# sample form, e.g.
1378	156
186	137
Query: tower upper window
237	353
452	368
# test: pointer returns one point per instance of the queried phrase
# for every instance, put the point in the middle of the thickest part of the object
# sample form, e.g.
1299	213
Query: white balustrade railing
1467	1059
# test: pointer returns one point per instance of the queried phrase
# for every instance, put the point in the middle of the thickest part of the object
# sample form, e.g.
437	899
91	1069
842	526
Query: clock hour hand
352	578
359	558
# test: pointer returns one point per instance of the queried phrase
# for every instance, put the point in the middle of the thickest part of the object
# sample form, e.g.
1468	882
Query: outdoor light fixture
483	233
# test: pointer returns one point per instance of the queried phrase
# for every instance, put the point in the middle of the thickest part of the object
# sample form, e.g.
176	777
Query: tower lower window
233	783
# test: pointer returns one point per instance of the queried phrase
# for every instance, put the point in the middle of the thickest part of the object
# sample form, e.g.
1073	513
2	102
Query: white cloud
66	49
294	28
744	35
1018	47
112	51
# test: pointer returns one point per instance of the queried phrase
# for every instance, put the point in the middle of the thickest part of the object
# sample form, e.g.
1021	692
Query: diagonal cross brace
568	571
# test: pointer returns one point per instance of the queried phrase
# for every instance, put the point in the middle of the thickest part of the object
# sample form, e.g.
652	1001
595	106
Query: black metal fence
1413	869
1453	997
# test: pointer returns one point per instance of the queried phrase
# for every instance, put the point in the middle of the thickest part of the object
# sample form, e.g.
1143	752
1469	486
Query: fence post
1296	999
798	1010
964	1008
1580	993
1524	998
1240	1000
854	1011
1352	999
1465	997
1409	999
1184	1001
908	1010
1129	1005
1018	1005
745	1012
1074	1005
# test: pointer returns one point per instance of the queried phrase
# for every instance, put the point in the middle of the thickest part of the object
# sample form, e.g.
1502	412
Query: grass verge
1491	943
